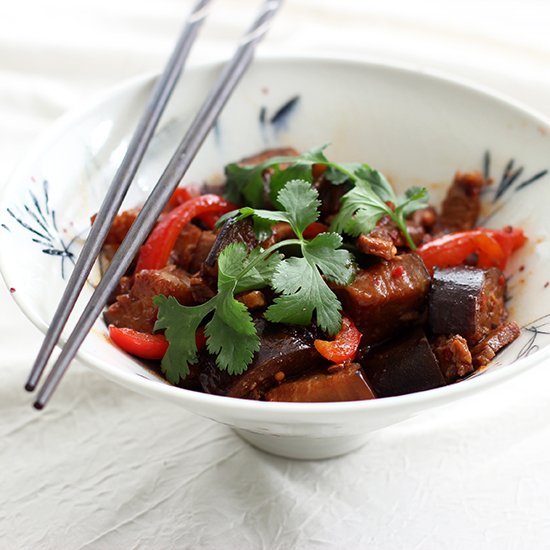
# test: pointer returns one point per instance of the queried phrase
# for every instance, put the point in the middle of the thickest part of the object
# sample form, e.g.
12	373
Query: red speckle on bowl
12	290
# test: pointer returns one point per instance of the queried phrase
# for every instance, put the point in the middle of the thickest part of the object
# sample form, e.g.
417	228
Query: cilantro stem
402	225
267	252
397	219
342	169
403	228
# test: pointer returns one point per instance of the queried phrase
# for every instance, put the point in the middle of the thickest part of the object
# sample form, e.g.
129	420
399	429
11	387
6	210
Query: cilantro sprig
230	331
300	281
247	182
370	198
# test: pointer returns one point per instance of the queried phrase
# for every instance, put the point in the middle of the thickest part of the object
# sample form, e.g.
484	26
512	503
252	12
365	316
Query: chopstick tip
38	405
29	386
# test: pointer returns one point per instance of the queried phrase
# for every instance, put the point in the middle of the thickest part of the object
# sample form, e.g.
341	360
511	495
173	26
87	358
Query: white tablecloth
106	468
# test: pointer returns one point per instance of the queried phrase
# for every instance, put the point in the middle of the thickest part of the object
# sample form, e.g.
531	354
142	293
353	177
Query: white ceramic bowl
416	128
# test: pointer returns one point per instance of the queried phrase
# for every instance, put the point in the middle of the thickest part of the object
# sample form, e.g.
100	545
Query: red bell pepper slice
179	196
141	344
183	194
510	238
344	346
493	247
155	252
144	345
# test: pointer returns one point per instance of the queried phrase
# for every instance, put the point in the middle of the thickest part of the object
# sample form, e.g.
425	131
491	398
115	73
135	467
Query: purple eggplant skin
466	300
286	351
343	382
403	365
232	231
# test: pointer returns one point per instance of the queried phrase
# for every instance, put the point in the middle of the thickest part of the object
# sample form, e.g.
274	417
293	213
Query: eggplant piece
402	366
386	297
467	301
205	260
285	351
330	195
337	383
232	231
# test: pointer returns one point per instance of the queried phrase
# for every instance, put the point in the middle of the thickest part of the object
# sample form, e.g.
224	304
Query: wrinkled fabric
104	468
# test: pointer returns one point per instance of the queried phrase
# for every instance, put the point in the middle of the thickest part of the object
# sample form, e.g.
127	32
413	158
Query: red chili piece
317	170
155	252
144	345
397	271
493	247
179	196
183	194
141	344
344	346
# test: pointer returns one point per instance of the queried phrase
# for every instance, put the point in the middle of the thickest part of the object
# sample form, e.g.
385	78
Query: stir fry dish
312	281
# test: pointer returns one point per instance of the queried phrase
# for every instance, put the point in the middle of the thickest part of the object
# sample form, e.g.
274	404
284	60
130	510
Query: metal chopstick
119	186
177	167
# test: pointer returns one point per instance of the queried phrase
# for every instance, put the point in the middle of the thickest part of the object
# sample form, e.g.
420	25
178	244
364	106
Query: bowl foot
301	447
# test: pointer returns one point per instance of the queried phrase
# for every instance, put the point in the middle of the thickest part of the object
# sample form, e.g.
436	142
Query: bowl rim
159	389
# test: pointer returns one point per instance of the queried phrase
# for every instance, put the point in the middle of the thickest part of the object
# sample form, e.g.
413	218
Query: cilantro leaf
226	217
180	324
231	334
247	181
415	198
303	292
301	203
279	178
361	208
236	257
336	265
271	216
378	182
300	280
316	155
335	176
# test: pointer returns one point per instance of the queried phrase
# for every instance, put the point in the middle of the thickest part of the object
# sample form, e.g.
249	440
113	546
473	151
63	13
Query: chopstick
169	180
119	186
